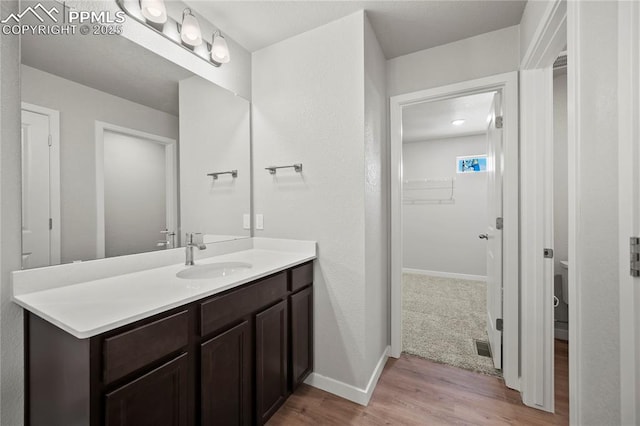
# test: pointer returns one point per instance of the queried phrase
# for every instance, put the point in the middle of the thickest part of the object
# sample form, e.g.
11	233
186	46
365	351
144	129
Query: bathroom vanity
229	353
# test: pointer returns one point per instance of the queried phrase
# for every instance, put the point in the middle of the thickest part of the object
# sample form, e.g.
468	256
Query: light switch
246	221
259	221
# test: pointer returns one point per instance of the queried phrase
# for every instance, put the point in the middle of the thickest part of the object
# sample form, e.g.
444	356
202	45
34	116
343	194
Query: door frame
54	178
629	205
536	198
171	155
507	83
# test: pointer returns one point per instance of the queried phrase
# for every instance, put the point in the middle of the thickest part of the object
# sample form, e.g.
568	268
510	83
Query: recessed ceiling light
458	122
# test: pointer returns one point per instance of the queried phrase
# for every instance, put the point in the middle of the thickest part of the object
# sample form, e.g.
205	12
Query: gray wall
531	16
11	323
598	347
560	187
214	136
313	111
560	171
376	197
80	106
444	237
480	56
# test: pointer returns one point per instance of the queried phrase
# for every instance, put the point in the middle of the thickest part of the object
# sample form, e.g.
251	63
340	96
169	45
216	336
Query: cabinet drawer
221	311
301	276
129	351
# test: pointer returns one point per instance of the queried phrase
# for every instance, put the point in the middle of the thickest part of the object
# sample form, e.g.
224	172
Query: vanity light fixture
458	122
154	11
219	49
188	35
190	32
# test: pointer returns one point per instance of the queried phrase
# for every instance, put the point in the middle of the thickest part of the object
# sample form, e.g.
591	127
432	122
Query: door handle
483	236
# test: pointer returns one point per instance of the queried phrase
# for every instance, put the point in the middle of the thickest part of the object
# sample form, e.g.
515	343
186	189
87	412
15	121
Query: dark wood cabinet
229	359
301	320
159	398
225	379
271	360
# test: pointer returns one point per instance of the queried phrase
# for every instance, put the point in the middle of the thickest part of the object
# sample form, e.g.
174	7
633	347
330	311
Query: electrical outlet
246	221
259	221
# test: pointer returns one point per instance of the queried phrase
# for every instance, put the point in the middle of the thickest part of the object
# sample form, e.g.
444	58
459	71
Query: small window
471	164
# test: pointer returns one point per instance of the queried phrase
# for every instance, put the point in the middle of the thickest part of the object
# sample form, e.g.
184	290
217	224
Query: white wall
444	237
214	137
560	172
480	56
597	347
376	197
80	106
11	323
312	111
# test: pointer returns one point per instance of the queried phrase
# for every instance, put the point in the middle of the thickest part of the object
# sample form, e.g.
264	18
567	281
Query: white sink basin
213	270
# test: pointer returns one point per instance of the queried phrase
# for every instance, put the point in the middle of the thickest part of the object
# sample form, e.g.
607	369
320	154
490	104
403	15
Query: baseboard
445	274
350	392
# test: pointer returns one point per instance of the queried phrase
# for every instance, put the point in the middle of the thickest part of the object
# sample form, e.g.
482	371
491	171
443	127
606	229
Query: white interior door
36	215
629	204
135	194
494	235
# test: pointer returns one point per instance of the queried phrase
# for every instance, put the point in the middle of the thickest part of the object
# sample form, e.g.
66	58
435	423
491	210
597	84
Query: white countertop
89	308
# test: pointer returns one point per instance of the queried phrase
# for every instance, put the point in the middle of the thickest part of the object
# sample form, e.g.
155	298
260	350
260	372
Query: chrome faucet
194	239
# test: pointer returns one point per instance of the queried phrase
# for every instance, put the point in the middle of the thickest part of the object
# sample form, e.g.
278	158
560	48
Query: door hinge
499	122
548	253
50	141
499	324
634	256
499	223
50	224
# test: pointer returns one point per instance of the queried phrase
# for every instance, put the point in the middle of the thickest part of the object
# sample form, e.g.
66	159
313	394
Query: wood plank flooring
415	391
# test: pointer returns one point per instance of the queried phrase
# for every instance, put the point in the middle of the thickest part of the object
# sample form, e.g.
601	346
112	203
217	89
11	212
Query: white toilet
564	264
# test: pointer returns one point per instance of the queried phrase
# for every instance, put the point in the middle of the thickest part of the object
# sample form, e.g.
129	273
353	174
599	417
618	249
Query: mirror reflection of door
139	192
40	187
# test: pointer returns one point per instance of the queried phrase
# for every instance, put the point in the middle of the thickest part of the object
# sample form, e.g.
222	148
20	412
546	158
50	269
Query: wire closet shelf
429	191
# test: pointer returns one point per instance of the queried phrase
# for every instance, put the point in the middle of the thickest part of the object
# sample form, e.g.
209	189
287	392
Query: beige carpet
441	317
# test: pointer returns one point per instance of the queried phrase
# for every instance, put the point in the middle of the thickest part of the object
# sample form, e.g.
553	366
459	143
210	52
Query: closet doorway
452	252
454	225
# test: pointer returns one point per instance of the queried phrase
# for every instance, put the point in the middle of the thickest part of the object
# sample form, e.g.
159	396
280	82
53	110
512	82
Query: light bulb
190	33
154	11
219	49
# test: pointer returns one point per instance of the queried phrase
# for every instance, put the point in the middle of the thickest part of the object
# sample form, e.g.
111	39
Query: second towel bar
272	169
233	173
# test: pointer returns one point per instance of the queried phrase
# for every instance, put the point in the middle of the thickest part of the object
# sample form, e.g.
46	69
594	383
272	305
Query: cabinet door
271	360
301	312
158	398
226	378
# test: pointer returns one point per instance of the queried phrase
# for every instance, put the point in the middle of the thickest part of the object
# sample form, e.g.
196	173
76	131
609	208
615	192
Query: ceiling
432	120
110	64
402	26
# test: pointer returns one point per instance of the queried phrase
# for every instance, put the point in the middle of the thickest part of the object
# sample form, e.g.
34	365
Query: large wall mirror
119	145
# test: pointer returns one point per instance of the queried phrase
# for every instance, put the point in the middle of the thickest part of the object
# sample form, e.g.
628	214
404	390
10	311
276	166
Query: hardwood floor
415	391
